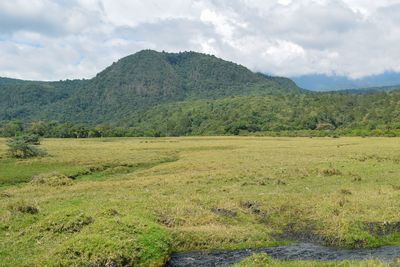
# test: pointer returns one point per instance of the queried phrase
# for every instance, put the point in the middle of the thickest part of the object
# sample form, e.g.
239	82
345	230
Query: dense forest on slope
169	94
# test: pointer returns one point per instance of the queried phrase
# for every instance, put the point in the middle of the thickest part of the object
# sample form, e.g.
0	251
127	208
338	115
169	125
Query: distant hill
156	93
372	89
322	82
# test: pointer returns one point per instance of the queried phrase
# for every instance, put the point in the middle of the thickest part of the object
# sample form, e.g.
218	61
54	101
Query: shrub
32	139
325	126
24	147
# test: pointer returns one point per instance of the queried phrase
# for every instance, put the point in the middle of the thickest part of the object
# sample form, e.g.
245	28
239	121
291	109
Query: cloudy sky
59	39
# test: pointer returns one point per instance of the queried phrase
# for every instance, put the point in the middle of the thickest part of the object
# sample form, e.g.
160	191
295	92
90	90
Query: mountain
322	82
372	89
135	83
168	94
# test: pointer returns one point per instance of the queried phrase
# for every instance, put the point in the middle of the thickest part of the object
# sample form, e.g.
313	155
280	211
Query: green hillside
274	114
134	83
157	93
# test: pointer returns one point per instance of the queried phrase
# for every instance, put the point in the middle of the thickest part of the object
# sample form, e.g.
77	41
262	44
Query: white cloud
284	51
221	23
44	39
133	12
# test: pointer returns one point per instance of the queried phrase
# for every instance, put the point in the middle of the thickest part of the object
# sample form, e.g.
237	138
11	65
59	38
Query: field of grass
263	260
132	201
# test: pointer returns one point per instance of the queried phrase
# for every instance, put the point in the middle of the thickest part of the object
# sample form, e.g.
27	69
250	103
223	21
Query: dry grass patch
51	179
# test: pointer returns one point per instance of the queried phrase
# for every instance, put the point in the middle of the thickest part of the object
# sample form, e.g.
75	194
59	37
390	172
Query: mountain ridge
154	93
323	82
135	82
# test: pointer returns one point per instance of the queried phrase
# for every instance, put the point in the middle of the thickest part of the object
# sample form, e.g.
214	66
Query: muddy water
300	251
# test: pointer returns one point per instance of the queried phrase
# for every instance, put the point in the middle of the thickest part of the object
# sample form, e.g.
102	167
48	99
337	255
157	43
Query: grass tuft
69	223
51	179
23	207
331	172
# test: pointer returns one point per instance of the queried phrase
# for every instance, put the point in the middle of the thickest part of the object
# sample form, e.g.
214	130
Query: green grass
13	171
133	200
263	260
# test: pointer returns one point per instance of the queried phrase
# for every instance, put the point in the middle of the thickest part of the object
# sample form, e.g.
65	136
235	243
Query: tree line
70	130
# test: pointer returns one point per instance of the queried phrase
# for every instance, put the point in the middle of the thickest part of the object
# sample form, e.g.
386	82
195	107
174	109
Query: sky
60	39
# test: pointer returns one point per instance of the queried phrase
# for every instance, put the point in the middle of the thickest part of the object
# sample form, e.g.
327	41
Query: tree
11	128
38	127
32	139
24	147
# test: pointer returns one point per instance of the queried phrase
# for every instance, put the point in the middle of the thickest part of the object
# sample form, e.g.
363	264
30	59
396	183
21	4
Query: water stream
299	251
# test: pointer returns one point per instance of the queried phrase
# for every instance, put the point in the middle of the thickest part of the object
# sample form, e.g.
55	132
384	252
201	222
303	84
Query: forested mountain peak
133	84
160	93
186	74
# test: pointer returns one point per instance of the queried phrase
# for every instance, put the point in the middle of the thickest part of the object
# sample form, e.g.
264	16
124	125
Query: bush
24	147
32	139
325	126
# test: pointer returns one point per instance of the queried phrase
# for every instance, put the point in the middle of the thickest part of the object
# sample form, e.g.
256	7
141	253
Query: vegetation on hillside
133	84
327	114
172	94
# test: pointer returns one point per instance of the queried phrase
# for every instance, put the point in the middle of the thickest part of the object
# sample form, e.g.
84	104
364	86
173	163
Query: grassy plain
134	200
263	260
